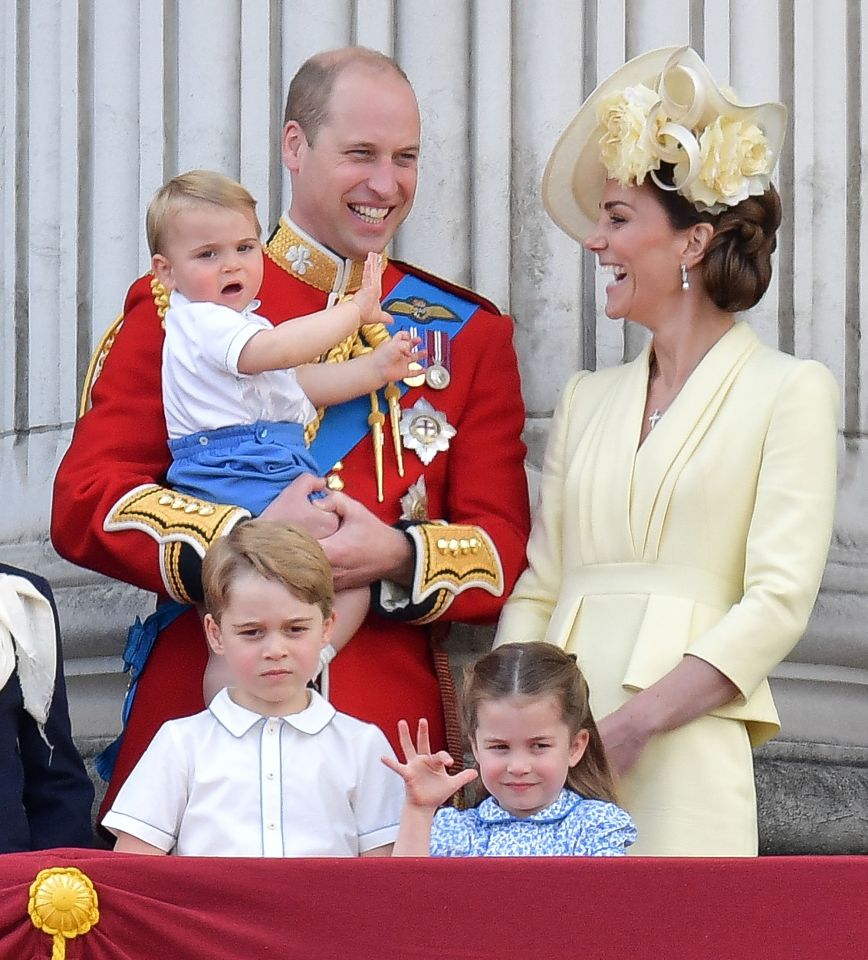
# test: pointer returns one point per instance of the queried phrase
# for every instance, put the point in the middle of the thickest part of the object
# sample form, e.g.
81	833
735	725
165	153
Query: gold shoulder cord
358	343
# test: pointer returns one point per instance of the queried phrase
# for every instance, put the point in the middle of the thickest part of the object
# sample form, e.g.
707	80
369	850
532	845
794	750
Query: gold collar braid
307	261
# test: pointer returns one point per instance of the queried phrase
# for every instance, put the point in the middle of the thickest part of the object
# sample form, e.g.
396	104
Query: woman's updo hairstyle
737	266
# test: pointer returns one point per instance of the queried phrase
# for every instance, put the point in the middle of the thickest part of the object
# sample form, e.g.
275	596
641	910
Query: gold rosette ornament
63	904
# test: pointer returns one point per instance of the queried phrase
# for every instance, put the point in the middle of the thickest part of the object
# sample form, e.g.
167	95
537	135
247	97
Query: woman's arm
527	613
787	542
691	689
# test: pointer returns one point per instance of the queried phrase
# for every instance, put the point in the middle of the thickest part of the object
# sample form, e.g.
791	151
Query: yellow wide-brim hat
575	175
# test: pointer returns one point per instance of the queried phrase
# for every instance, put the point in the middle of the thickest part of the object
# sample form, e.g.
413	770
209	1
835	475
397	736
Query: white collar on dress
238	720
490	811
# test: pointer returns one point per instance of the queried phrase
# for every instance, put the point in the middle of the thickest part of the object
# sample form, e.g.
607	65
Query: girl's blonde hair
539	669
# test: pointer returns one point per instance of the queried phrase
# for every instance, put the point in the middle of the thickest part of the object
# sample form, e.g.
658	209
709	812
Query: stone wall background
103	99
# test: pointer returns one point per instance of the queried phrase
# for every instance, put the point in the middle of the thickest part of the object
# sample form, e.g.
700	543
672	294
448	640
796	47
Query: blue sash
346	425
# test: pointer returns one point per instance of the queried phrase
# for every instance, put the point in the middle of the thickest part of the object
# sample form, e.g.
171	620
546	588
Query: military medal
414	503
426	430
437	376
416	379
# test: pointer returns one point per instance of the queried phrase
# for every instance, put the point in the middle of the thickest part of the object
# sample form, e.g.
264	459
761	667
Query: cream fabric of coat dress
710	538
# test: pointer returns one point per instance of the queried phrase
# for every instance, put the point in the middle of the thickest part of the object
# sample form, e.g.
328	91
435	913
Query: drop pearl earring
685	282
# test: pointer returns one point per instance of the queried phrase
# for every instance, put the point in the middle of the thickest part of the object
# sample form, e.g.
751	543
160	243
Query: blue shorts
247	465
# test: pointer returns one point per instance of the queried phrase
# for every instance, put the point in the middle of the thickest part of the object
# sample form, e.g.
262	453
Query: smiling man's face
354	186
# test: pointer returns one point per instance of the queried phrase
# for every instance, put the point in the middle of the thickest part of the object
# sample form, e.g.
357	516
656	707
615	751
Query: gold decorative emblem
426	430
420	310
63	904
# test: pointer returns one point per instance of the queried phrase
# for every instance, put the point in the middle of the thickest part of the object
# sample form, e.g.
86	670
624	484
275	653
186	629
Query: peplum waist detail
653	579
679	604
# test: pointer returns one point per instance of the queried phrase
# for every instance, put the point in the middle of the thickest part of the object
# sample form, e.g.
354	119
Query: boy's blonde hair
275	551
189	190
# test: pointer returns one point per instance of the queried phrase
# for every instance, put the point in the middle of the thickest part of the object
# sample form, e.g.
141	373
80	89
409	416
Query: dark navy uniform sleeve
45	792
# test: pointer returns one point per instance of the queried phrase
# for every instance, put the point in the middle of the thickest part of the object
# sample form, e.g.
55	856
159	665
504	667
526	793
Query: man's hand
292	505
363	549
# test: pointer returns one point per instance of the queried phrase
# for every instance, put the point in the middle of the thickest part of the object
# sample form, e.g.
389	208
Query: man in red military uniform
446	549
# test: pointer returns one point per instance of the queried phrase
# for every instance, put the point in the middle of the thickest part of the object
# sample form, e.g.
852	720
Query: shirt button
272	826
269	776
203	441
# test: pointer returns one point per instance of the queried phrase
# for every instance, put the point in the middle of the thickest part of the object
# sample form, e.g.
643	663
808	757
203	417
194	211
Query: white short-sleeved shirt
202	388
228	782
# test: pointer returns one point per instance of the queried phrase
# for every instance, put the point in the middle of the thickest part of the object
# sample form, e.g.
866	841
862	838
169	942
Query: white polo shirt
202	387
228	782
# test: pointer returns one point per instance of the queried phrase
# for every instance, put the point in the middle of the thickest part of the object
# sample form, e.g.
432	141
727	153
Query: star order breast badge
426	430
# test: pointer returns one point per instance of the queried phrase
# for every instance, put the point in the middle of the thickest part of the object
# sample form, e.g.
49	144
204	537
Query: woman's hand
690	690
425	774
623	739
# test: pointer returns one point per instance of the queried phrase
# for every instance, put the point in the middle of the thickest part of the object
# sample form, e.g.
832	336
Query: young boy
237	391
270	768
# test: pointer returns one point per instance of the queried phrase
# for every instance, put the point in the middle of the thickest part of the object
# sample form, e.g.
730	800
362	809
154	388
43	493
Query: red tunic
386	672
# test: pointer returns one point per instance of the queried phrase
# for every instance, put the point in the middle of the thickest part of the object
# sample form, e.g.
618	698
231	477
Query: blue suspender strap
141	638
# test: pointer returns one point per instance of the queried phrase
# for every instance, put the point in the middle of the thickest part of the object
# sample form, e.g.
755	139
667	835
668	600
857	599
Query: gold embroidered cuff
452	558
173	519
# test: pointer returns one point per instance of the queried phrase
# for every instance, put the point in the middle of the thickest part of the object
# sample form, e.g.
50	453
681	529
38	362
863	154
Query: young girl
540	759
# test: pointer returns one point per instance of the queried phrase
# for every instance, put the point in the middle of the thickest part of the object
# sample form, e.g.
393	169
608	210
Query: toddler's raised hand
367	298
425	774
394	356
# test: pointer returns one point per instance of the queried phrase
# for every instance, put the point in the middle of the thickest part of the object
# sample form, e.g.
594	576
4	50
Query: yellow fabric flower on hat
626	145
735	163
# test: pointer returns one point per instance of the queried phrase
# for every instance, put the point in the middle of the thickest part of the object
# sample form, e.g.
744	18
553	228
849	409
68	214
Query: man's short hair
310	90
189	190
275	551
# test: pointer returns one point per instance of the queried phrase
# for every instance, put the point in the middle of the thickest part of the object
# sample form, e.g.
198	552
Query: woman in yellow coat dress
687	497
